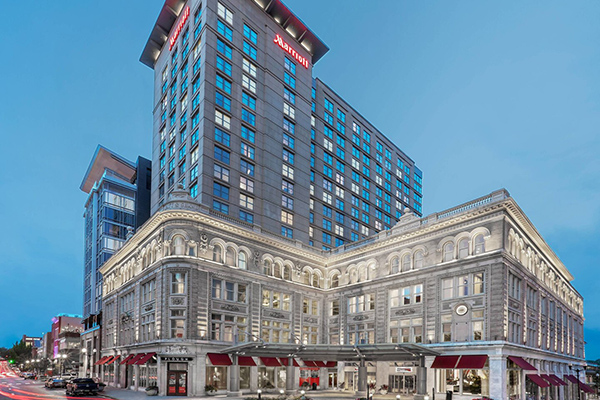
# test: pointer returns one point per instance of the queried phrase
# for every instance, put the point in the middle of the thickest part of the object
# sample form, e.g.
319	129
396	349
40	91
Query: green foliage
20	352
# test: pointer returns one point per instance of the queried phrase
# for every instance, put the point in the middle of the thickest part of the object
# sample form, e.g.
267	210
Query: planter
153	391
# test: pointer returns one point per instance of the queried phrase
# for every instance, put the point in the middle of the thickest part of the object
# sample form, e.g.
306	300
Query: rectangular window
250	34
223	84
246	167
224	49
248	117
222	119
248	83
249	68
289	80
289	95
225	13
222	101
289	65
220	191
221	207
249	50
222	155
246	201
218	172
247	150
248	101
223	66
224	30
246	184
247	134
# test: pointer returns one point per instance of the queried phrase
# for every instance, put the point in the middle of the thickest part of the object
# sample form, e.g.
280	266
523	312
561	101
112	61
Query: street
13	387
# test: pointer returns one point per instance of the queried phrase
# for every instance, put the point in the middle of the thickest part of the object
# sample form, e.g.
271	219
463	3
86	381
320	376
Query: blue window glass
223	208
327	224
340	141
388	208
339	217
327	211
174	88
341	128
355	176
355	212
246	167
223	84
246	216
328	132
365	194
328	118
173	119
366	147
224	49
220	191
248	100
249	50
339	204
289	80
314	93
366	136
328	105
163	146
288	141
354	224
250	34
340	153
339	242
222	137
184	70
312	176
341	116
340	166
222	101
365	218
287	232
365	206
311	218
366	170
194	138
312	134
388	164
182	152
164	87
183	118
312	162
247	150
328	158
196	86
248	117
174	71
223	65
327	171
289	95
326	238
353	236
356	140
194	190
289	126
290	66
388	186
288	156
247	134
196	67
224	30
221	155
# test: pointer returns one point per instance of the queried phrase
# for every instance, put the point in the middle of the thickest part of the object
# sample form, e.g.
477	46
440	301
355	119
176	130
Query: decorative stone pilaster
498	377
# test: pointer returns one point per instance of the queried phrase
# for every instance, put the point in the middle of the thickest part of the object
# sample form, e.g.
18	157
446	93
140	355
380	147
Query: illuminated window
225	13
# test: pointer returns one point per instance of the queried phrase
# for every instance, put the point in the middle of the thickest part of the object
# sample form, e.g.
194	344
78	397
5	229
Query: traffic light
11	361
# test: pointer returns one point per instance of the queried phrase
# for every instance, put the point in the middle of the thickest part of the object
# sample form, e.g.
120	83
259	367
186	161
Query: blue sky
482	95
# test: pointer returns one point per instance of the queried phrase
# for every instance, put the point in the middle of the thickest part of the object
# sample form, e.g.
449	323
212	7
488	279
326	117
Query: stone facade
477	279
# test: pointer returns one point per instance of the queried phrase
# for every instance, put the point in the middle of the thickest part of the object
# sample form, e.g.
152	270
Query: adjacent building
470	300
66	329
242	124
118	203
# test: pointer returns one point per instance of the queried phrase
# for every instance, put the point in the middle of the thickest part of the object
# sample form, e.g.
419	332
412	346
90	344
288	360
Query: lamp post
578	370
597	379
64	358
86	361
259	392
302	392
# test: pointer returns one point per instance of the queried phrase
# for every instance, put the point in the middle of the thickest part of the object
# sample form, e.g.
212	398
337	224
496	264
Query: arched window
287	275
353	276
306	278
267	267
277	270
448	252
463	248
362	274
395	265
335	281
242	260
178	246
419	259
479	244
217	254
316	280
230	257
406	263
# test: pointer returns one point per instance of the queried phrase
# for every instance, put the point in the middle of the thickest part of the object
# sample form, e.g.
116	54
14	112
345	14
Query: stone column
161	376
498	377
136	371
362	377
290	376
421	380
234	377
200	374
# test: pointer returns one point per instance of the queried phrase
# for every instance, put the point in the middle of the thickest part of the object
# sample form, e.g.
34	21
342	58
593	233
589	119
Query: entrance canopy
325	352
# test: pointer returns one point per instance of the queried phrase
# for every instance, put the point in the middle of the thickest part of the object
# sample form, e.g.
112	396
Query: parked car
29	375
82	386
55	382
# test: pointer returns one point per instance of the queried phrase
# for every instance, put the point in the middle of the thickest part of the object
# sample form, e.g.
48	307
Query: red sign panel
283	44
175	35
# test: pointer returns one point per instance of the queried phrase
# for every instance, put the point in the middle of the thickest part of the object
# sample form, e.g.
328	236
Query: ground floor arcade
470	372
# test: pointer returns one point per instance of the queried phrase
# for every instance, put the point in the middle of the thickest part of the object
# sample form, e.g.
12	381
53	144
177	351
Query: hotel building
470	300
242	124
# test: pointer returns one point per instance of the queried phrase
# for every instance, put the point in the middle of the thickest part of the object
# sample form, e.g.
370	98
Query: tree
20	352
3	352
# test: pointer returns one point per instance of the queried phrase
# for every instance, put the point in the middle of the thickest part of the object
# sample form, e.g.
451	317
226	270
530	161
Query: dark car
82	386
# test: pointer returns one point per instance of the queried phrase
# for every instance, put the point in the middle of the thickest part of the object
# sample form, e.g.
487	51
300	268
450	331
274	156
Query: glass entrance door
332	380
177	383
351	380
404	384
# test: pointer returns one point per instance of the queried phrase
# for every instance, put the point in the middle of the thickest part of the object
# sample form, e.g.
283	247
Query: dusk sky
481	94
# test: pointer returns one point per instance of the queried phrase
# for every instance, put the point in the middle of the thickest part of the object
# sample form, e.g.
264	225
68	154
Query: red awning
219	359
445	362
246	361
586	388
309	363
538	380
270	362
522	363
145	359
320	364
557	379
284	362
472	362
108	362
550	380
135	359
102	360
572	378
331	364
126	359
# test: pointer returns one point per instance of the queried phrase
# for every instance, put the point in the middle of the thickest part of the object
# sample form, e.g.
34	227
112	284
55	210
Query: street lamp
302	392
578	370
597	379
259	393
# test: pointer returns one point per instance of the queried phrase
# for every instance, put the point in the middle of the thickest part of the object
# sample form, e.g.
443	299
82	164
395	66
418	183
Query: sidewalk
124	394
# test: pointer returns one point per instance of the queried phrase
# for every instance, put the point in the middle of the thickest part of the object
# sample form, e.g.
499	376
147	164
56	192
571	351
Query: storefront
402	380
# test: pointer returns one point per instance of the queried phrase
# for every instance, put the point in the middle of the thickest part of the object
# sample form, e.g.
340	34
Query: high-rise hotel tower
241	123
